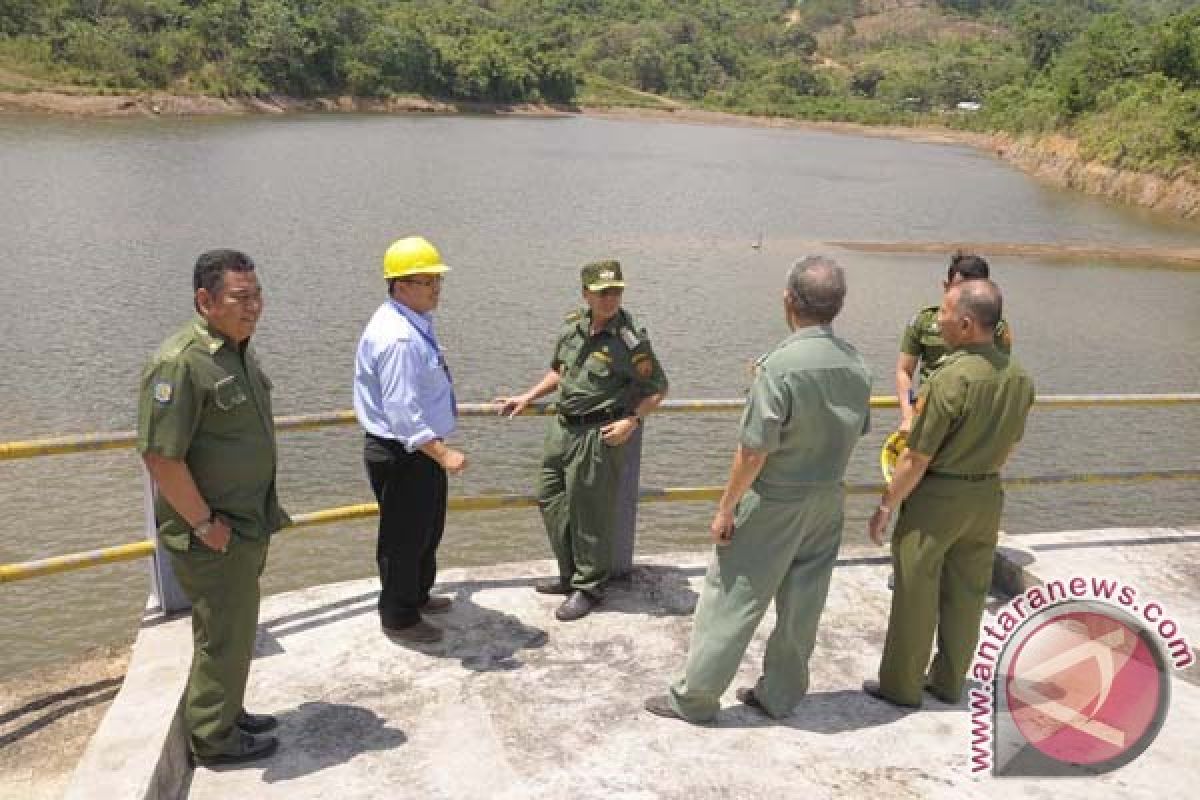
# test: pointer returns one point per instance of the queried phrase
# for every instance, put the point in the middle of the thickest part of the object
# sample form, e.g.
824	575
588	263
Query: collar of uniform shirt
612	326
214	340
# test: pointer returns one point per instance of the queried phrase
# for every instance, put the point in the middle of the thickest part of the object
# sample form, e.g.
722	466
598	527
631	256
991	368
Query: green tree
1176	49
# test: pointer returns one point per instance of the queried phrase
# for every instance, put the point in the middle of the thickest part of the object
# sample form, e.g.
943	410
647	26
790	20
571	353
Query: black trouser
411	490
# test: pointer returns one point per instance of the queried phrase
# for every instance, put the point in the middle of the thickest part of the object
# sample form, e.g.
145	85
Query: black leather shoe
420	632
577	606
241	748
256	723
558	586
872	688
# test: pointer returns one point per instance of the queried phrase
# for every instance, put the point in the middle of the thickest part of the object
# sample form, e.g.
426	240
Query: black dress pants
411	491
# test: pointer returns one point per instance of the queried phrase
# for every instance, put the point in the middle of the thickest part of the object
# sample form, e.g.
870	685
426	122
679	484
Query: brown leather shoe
436	604
419	632
242	747
872	688
556	586
660	705
577	606
747	697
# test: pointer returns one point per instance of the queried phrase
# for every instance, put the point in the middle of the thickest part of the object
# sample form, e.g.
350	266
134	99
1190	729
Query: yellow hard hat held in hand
896	444
413	255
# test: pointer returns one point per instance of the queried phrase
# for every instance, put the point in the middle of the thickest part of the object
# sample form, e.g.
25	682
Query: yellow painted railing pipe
489	502
90	442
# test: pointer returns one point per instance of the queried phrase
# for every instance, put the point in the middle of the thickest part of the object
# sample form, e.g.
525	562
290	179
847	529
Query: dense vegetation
1121	75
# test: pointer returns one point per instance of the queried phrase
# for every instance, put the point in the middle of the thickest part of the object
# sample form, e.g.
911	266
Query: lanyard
432	342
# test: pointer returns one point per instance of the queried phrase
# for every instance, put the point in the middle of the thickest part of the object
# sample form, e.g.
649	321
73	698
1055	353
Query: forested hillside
1121	75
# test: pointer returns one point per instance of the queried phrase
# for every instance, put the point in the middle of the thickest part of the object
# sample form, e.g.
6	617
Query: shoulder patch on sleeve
630	338
163	392
574	316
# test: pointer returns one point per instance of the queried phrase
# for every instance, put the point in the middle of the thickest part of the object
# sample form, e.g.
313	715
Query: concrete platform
514	704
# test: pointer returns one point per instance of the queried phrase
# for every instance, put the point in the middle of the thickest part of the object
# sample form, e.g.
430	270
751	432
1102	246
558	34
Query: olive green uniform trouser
942	551
223	588
780	550
577	493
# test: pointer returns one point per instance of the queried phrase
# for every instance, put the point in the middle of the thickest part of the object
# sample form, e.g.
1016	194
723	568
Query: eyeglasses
243	298
427	282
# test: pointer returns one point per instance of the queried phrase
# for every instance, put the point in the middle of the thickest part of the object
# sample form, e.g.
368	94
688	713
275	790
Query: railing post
627	504
166	592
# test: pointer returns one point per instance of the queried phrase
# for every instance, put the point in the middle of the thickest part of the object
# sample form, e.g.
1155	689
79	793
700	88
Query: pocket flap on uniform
228	392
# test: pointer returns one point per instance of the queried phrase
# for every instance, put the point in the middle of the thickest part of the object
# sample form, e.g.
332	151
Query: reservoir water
101	221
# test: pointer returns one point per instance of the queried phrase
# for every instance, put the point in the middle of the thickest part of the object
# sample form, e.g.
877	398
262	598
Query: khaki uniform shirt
204	403
923	339
809	404
612	370
973	412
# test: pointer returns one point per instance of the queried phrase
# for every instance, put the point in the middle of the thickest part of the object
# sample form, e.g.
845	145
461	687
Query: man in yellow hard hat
608	380
404	401
947	489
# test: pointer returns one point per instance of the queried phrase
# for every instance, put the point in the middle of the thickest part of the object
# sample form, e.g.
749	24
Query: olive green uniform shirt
204	403
610	371
923	339
973	412
809	404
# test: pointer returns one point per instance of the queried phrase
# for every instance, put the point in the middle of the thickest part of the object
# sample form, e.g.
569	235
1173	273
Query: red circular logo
1086	686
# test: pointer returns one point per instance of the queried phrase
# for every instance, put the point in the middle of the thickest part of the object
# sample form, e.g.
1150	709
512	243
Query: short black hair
212	266
968	266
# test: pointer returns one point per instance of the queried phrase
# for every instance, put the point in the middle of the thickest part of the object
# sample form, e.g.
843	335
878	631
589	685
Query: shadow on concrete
834	712
657	591
482	639
318	735
55	707
317	616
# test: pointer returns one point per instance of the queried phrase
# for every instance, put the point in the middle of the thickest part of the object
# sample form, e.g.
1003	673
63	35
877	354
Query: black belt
594	417
954	476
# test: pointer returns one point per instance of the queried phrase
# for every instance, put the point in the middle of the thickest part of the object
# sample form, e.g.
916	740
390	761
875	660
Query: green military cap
602	275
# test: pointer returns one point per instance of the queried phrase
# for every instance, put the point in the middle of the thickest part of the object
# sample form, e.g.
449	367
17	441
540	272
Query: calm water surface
101	220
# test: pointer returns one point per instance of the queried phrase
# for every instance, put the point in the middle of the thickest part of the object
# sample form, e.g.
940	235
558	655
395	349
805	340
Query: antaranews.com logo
1074	679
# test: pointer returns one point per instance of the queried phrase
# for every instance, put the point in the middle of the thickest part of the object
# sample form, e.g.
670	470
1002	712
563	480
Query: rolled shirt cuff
421	437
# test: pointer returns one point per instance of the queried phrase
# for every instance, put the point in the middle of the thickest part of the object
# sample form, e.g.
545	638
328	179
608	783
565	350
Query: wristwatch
205	526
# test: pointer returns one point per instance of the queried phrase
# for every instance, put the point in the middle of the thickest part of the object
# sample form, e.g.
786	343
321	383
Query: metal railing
141	549
91	442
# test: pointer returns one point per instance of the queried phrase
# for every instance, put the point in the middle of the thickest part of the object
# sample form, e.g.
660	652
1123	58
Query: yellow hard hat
413	255
896	444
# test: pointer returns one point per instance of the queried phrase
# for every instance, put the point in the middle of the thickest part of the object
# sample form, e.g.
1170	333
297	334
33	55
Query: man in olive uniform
922	345
608	380
206	435
779	521
970	418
